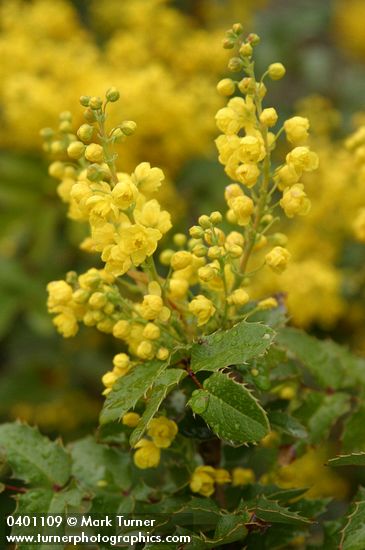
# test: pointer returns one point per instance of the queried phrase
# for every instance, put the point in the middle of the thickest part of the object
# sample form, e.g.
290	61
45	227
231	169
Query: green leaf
353	459
129	389
93	463
287	424
319	357
272	512
33	457
230	528
43	501
353	437
163	385
329	411
230	410
353	534
221	349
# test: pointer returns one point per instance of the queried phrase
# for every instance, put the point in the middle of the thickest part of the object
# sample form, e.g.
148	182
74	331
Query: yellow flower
59	292
226	87
295	201
202	308
251	149
108	380
162	431
278	259
131	419
202	480
296	129
147	179
276	71
66	323
151	332
145	350
122	364
269	117
151	307
181	259
150	215
139	242
178	288
162	354
242	476
286	176
221	476
248	174
125	192
239	297
243	208
147	455
303	158
121	329
94	153
267	303
359	225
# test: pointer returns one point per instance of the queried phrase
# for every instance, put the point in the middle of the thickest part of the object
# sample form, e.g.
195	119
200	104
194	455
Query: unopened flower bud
196	232
226	87
76	149
246	50
216	217
95	103
85	132
128	127
235	64
84	100
204	221
112	94
276	71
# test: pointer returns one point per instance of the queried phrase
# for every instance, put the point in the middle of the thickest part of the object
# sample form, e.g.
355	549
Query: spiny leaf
353	459
93	463
163	385
273	512
221	349
44	501
287	424
230	410
330	364
353	534
33	457
128	389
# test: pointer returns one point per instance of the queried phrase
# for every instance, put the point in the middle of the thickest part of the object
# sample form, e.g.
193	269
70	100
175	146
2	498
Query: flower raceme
205	280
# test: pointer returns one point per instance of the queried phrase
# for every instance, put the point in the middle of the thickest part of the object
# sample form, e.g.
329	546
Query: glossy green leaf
221	349
33	457
163	385
230	410
128	389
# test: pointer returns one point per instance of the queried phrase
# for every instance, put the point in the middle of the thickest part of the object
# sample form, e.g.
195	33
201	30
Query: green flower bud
46	133
85	132
76	149
128	127
112	94
65	115
84	100
89	115
204	221
95	103
235	64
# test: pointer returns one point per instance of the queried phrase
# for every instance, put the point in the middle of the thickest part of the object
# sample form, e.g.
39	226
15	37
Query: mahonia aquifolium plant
214	410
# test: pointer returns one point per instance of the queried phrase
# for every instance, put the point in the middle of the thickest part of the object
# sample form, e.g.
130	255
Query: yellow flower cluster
35	88
162	432
206	275
204	478
309	471
314	286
